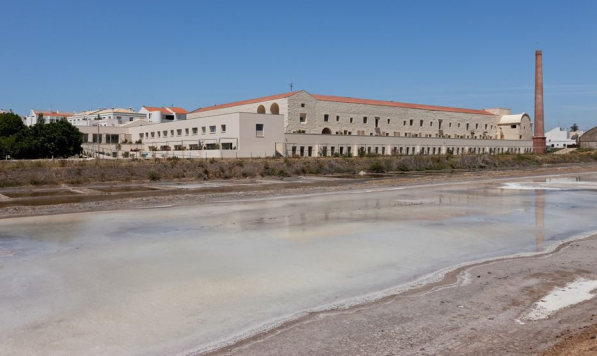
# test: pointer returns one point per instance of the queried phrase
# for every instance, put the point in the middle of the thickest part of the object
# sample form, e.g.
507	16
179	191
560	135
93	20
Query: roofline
348	100
245	102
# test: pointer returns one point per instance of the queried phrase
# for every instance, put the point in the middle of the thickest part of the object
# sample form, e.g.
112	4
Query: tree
11	124
574	128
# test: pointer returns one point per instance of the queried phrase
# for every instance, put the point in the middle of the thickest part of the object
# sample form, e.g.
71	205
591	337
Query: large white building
324	114
303	124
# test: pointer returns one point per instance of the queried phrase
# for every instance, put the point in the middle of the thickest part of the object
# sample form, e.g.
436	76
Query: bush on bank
19	173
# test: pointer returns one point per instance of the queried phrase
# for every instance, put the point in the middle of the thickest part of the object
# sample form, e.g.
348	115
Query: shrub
153	176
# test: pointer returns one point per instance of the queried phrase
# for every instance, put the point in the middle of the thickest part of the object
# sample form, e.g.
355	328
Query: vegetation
47	172
574	128
57	139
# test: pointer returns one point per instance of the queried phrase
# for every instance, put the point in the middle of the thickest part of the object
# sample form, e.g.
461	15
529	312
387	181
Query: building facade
559	138
324	114
48	115
105	117
159	115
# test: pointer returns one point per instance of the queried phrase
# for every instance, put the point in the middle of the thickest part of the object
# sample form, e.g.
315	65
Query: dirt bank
45	173
139	195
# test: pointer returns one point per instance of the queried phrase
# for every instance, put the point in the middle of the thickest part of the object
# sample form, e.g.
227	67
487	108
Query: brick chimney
539	143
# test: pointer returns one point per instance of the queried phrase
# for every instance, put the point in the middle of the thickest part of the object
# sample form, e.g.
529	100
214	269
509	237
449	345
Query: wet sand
474	310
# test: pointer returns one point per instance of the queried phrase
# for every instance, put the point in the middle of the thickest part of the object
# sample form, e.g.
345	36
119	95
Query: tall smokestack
539	143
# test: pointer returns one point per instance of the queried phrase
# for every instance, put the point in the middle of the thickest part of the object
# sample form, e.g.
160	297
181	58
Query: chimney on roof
539	142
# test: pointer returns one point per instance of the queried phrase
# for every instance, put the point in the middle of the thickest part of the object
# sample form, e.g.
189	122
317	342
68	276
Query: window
212	129
152	134
203	130
421	123
166	133
302	105
195	130
337	118
364	119
326	118
186	132
179	132
467	126
361	133
411	122
351	120
223	128
259	132
431	123
512	126
171	132
388	121
303	118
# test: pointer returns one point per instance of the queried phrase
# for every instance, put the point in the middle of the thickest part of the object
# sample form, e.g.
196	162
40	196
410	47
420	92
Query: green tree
11	124
574	128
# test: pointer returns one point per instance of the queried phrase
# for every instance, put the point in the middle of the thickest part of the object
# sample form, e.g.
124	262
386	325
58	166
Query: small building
159	115
48	115
105	117
588	139
559	138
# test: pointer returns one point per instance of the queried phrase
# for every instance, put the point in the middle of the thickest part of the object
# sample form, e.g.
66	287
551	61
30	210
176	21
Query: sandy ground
474	311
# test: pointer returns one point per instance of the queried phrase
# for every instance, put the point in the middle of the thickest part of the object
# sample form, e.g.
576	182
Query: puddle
573	293
38	193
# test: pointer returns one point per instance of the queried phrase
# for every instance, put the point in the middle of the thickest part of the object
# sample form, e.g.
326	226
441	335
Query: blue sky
77	55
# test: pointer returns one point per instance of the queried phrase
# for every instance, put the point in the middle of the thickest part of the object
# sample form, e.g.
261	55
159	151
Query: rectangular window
203	130
212	129
166	133
171	132
388	121
421	123
326	118
351	120
259	130
303	118
302	105
512	126
195	130
186	132
179	132
364	119
411	122
223	128
337	118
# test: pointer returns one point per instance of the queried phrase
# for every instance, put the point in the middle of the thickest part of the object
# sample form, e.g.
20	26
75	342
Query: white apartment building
105	117
158	115
48	115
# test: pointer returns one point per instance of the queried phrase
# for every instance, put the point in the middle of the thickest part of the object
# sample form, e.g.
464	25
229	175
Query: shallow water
172	280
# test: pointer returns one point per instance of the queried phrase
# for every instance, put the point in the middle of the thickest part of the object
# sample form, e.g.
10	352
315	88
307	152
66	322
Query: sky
79	55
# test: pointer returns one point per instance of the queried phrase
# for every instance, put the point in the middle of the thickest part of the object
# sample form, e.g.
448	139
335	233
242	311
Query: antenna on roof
291	84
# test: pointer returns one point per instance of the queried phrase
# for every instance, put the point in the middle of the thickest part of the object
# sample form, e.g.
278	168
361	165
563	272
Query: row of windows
259	131
377	121
193	131
307	151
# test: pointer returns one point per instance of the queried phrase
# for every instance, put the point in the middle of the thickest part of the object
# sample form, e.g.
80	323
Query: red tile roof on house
341	99
245	102
162	110
53	113
167	111
348	100
178	110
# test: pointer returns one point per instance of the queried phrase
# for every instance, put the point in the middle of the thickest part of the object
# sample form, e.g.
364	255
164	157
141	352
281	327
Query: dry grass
46	172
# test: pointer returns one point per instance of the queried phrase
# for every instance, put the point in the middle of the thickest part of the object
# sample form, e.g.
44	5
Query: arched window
326	131
274	109
261	109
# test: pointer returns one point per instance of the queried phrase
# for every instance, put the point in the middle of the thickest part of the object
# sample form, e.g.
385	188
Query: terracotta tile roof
341	99
53	113
163	110
178	110
244	102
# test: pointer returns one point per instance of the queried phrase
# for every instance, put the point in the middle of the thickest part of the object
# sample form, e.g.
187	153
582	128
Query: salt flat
179	279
